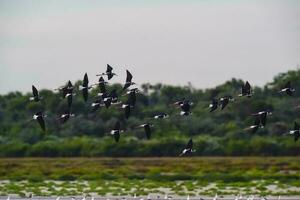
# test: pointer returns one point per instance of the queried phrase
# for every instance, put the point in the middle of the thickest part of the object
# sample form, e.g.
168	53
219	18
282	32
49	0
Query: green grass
205	175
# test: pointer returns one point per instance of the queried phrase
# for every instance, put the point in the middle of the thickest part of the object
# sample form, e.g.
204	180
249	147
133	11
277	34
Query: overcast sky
204	42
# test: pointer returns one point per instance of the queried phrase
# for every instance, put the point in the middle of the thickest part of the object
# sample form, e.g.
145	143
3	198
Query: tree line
220	133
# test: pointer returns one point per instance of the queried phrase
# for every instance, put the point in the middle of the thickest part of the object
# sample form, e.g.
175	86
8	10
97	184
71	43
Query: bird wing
255	127
117	136
70	100
64	119
214	105
185	106
127	111
126	85
41	121
189	144
247	86
257	120
107	102
35	91
289	92
296	136
109	76
263	118
128	76
64	91
102	85
39	113
147	131
70	84
85	80
108	69
224	103
132	99
296	126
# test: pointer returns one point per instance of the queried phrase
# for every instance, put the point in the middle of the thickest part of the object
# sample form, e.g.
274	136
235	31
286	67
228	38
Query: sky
204	42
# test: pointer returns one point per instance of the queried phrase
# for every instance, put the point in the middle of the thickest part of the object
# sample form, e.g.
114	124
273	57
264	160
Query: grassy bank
197	175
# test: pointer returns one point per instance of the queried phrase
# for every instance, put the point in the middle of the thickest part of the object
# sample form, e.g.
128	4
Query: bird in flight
116	131
39	117
161	116
147	127
213	105
295	131
85	87
188	148
128	81
64	117
223	101
36	97
288	89
246	90
108	72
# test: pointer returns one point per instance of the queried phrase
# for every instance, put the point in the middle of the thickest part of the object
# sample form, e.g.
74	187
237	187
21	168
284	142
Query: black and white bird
295	131
161	116
35	95
260	120
214	105
185	108
102	87
257	124
68	93
263	116
62	90
97	104
114	97
128	81
127	109
178	103
107	100
246	90
39	117
147	127
188	149
64	117
132	96
70	99
116	131
85	87
108	72
223	101
68	89
288	89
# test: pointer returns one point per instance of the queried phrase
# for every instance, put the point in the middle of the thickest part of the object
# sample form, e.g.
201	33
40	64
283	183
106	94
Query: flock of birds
107	98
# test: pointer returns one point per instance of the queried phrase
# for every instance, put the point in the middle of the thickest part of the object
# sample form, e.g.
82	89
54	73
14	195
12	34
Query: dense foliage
217	133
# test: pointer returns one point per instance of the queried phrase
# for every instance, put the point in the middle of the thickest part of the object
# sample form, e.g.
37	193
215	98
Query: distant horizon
46	43
140	84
